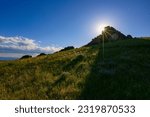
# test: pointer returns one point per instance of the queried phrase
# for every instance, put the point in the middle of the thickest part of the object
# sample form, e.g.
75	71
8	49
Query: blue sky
48	25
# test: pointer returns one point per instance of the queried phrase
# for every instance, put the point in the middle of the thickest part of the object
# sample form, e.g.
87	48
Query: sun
102	27
99	26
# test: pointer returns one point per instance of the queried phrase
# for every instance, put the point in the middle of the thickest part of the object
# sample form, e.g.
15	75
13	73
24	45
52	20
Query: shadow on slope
123	74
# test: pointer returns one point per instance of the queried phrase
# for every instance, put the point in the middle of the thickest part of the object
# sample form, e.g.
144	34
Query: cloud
23	45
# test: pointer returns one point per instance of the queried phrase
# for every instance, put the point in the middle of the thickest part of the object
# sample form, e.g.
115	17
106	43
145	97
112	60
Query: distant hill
109	34
81	73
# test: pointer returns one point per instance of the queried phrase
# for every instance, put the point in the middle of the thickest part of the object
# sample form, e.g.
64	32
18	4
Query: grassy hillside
81	73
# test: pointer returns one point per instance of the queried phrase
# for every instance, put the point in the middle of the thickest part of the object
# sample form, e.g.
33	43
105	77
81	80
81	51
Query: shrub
129	37
26	56
42	54
67	48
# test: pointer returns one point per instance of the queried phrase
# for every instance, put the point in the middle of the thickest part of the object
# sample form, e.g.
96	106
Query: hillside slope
81	73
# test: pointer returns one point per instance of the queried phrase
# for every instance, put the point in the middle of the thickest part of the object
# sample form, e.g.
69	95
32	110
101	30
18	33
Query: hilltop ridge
108	34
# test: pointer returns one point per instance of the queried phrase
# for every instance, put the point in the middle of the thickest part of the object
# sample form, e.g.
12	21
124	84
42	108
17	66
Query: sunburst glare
101	27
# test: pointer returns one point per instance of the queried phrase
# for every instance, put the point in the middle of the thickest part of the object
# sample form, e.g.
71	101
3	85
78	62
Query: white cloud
25	44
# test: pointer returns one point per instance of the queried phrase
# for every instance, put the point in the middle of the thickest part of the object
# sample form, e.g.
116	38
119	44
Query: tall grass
81	73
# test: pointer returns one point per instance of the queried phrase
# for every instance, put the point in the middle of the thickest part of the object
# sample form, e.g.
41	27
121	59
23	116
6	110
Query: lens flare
102	27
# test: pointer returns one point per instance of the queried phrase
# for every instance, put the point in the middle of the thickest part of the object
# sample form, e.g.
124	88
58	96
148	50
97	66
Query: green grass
81	73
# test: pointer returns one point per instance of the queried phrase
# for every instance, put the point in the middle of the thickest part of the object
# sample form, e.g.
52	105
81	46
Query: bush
67	48
26	56
129	37
42	54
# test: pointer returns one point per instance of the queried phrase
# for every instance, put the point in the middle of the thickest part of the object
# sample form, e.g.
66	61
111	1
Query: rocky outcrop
109	34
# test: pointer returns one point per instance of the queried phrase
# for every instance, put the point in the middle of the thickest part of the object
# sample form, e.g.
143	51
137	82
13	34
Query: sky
35	26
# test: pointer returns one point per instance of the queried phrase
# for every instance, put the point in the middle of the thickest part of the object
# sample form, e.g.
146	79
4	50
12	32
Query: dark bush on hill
26	56
67	48
129	37
42	54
